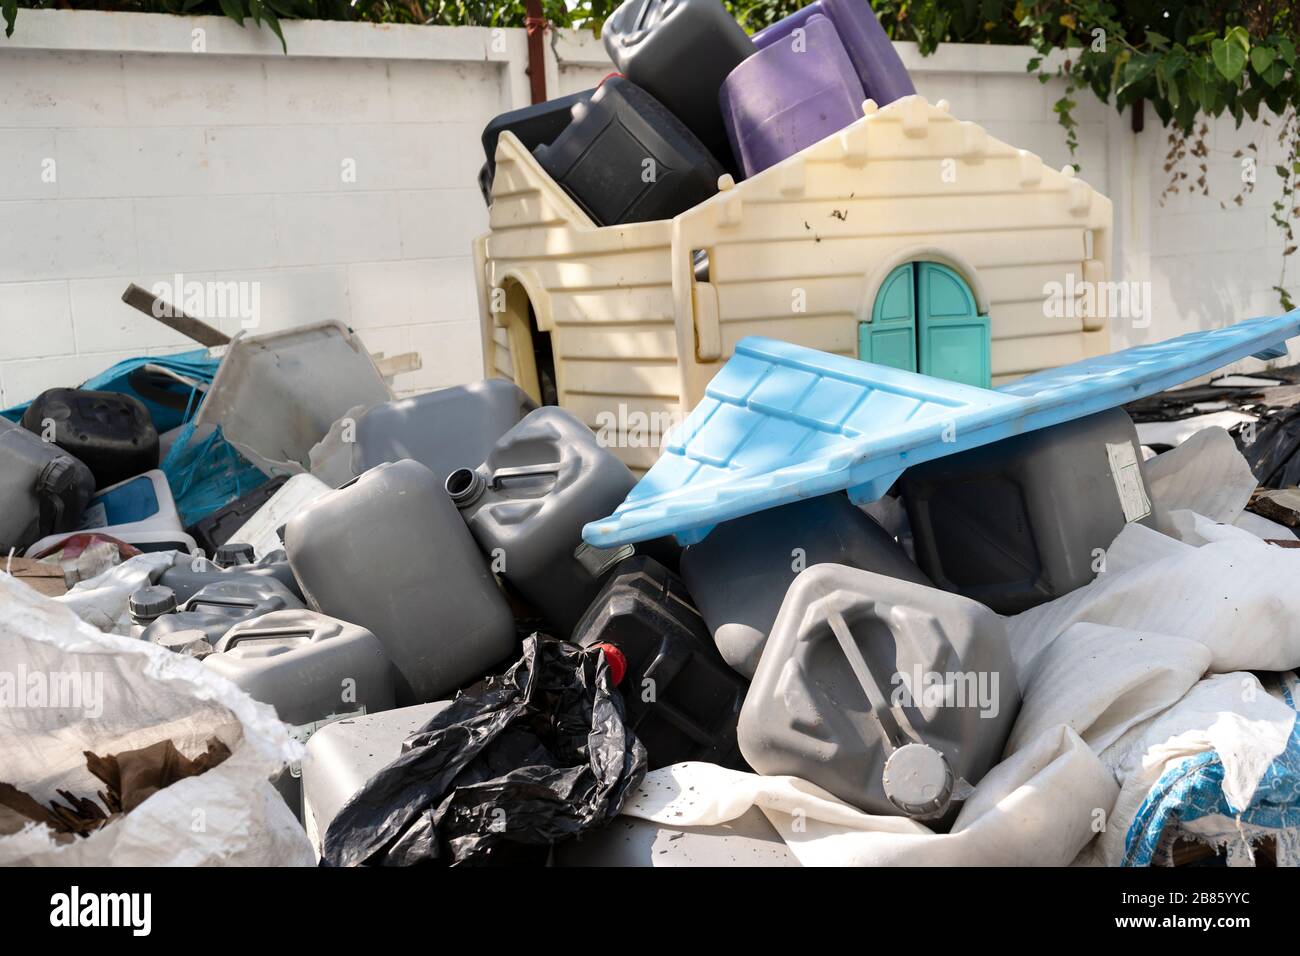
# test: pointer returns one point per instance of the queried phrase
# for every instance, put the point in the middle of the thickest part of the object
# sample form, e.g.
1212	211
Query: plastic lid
57	475
918	780
152	601
616	660
232	553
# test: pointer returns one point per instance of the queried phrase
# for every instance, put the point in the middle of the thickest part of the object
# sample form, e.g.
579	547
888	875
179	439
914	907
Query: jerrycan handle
309	636
522	471
917	778
648	15
896	730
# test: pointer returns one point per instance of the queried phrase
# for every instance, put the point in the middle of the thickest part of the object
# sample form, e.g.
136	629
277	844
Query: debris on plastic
538	755
42	576
1281	505
454	628
84	555
129	778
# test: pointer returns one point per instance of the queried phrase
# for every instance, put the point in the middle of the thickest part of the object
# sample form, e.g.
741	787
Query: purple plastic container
884	78
783	28
790	95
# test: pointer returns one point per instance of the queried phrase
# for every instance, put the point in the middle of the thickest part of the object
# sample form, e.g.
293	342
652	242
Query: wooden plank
142	300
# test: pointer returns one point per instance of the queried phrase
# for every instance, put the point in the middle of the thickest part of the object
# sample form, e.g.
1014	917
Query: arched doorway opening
925	319
531	353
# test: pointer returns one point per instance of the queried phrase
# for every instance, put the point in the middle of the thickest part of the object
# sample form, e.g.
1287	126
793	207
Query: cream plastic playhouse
909	238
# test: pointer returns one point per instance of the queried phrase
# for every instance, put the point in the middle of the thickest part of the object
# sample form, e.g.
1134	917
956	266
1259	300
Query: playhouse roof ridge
915	113
851	145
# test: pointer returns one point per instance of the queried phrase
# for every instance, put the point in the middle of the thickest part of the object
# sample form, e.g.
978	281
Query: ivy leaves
1202	67
1182	76
1229	53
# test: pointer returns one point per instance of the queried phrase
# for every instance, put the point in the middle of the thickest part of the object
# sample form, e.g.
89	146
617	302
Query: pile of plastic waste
696	98
852	614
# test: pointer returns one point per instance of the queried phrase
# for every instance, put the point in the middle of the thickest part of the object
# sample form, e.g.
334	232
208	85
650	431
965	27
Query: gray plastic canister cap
918	780
151	602
232	553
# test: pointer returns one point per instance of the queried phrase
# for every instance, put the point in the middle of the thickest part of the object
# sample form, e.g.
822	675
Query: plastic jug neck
465	486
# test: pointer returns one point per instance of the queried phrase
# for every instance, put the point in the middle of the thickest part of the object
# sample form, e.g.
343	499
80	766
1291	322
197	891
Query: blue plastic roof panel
780	422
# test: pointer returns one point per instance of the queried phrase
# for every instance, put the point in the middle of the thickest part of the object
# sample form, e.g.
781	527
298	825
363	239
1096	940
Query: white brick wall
1210	262
228	165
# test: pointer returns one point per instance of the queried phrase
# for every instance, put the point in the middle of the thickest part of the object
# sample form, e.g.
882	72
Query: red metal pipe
535	22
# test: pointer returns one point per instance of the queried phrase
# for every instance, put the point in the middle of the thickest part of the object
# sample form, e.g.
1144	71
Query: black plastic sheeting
1272	449
1270	445
520	761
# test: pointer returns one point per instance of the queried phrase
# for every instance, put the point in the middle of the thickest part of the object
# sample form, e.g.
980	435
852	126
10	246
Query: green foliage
1189	62
504	13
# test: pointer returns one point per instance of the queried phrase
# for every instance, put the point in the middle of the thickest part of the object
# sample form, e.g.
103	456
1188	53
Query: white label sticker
1126	471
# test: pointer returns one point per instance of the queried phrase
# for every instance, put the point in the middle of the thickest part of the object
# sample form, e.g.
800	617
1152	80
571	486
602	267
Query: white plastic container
276	395
140	508
748	840
344	754
294	495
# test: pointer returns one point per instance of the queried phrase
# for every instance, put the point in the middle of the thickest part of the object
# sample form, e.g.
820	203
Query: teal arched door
925	320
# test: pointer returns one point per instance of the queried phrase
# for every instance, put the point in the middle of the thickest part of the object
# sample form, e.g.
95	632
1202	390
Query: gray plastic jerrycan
311	668
43	489
442	430
342	756
388	551
1025	520
212	611
191	573
308	666
893	696
739	574
526	506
